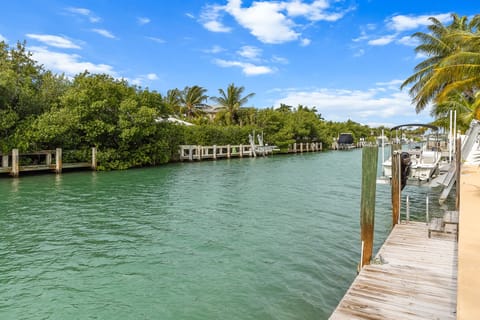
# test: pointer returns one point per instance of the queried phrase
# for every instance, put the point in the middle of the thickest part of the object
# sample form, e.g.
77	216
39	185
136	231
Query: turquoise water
264	238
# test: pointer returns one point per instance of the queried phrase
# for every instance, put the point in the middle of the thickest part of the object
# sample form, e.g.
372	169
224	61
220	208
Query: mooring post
94	158
407	211
15	163
58	160
48	159
426	210
5	161
228	151
367	206
301	147
395	186
199	152
241	151
295	147
458	167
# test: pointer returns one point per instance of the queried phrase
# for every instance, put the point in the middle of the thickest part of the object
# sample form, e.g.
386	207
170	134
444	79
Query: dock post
367	207
94	158
241	151
58	160
228	151
199	152
215	151
458	167
395	186
426	210
407	212
48	159
301	147
15	163
321	146
295	147
5	161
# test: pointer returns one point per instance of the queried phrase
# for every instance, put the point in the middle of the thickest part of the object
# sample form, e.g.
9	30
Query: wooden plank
417	279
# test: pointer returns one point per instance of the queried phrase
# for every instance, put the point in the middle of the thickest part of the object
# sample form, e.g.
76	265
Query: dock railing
45	160
198	152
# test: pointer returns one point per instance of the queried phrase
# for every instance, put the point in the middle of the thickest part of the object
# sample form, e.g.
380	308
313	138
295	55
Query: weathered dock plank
415	278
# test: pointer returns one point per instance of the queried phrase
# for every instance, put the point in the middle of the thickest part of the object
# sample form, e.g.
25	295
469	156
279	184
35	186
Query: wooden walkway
412	277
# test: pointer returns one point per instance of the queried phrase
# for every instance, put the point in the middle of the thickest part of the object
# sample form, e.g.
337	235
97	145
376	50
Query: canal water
263	238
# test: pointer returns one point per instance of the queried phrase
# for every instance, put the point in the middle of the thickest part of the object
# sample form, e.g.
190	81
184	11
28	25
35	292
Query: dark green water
266	238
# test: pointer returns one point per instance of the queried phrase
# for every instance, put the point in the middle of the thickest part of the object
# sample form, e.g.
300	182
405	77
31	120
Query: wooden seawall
412	277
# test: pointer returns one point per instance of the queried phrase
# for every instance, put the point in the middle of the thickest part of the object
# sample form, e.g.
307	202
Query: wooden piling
94	158
367	207
396	180
5	161
458	168
48	159
58	160
15	163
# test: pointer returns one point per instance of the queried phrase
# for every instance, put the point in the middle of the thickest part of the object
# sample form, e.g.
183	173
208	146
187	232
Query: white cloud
214	50
216	26
84	12
2	38
382	41
157	40
408	41
264	20
248	69
210	18
54	41
382	103
143	20
305	42
281	60
363	36
70	64
250	52
270	21
403	23
359	53
139	81
152	76
104	33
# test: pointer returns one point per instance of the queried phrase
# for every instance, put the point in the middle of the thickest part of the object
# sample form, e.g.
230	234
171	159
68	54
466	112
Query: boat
424	157
345	142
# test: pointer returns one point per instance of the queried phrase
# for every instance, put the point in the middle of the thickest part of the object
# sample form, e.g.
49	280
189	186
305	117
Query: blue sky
345	57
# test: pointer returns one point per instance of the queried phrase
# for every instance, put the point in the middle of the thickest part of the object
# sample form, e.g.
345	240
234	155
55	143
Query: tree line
41	110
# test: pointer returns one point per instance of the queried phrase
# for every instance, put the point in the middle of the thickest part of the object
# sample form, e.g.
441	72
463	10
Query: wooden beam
367	207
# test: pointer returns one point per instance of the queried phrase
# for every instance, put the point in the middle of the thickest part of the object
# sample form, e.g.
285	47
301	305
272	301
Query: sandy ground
468	295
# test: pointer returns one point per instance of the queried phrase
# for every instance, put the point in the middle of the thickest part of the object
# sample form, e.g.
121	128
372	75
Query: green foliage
42	111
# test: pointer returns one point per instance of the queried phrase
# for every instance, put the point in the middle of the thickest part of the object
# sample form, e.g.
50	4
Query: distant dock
45	160
414	276
198	152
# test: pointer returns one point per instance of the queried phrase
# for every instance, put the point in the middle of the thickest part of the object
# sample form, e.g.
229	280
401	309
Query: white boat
425	159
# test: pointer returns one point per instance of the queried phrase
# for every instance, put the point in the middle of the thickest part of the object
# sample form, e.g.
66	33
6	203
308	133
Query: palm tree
191	97
458	72
467	109
232	100
173	100
437	45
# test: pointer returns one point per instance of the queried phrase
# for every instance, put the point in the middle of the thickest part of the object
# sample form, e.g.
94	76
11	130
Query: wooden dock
46	160
412	277
198	152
